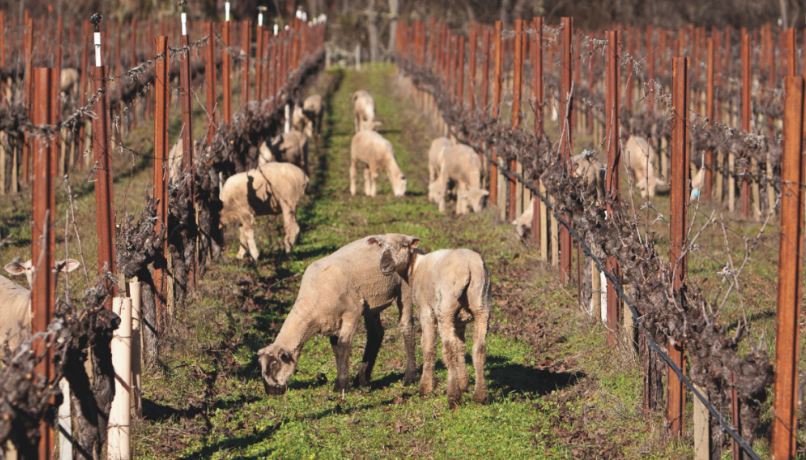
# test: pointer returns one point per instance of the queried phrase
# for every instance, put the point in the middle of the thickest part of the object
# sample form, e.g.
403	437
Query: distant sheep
364	111
435	154
639	155
461	167
374	151
291	147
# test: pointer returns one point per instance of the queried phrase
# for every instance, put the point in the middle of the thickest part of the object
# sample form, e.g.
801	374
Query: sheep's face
396	251
436	192
276	367
473	199
399	185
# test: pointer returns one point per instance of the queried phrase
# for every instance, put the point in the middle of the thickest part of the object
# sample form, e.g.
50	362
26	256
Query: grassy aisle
556	390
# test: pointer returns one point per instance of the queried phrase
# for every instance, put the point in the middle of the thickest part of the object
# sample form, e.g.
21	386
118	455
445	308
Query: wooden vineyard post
784	424
675	402
43	241
103	175
209	81
259	57
246	44
187	127
499	64
59	153
161	83
710	113
746	84
516	114
566	136
82	91
471	82
226	69
28	51
539	212
612	172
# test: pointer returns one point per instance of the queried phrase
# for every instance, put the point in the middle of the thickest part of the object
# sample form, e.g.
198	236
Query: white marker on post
184	17
276	29
260	19
97	41
226	11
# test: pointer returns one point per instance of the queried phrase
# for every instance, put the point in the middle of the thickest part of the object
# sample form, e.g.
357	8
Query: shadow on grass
509	377
155	411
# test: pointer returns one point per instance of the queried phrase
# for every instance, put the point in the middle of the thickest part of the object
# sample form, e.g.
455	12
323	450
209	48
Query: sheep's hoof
362	377
453	402
341	385
480	396
409	378
426	388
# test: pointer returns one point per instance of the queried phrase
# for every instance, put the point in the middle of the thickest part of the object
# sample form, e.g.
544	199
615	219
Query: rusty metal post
650	65
485	74
471	87
566	137
226	70
28	58
43	241
209	81
612	172
259	58
516	113
746	114
537	94
55	100
161	84
82	89
103	175
784	421
246	45
460	73
791	52
675	402
709	114
499	65
187	124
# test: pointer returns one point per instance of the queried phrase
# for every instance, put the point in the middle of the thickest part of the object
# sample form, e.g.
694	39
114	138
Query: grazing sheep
451	287
313	107
291	147
371	149
364	111
523	224
359	280
461	167
15	313
435	155
69	80
639	155
269	189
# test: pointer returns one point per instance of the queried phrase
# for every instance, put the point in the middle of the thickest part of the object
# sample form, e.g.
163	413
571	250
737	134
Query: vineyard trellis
687	111
169	243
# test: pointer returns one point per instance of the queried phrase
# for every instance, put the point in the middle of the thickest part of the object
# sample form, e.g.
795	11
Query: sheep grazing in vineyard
461	168
373	150
291	147
452	287
15	313
69	80
640	156
359	280
272	188
364	111
435	155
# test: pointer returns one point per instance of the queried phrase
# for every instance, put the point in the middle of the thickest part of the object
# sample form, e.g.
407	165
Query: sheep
361	279
364	111
371	149
523	224
69	79
300	122
15	314
313	107
291	147
640	156
461	166
451	287
435	155
269	189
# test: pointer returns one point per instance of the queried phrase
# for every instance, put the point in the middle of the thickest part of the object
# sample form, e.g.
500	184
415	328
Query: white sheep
435	154
461	168
640	157
374	151
359	280
269	189
69	79
291	147
15	313
364	111
451	287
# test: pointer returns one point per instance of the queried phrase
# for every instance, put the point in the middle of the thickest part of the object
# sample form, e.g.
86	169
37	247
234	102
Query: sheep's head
473	199
399	185
436	192
276	367
396	251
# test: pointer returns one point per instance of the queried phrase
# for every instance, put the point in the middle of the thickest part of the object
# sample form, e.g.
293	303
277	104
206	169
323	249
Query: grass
557	391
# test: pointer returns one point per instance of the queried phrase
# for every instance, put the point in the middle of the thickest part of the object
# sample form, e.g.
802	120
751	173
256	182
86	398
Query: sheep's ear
414	242
67	265
375	240
485	193
15	267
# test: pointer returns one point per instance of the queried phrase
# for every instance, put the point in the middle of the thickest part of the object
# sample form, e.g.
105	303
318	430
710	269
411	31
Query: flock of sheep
451	287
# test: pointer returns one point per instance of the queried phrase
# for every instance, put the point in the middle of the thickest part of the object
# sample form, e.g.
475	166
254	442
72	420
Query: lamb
364	111
269	189
371	149
523	224
461	166
435	155
15	314
639	155
312	107
451	287
293	148
69	79
361	279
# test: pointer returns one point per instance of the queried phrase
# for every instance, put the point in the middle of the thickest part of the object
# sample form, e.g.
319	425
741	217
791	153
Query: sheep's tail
478	291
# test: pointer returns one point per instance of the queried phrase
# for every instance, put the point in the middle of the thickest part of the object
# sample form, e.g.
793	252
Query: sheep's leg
480	354
407	329
449	351
290	227
341	349
367	183
375	332
461	367
428	324
242	242
353	173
